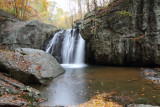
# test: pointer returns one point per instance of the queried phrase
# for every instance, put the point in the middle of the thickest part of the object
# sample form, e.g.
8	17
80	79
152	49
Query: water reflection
67	89
77	85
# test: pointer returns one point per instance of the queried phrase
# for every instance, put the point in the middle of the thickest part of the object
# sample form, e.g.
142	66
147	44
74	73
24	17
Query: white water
79	57
71	52
68	47
52	42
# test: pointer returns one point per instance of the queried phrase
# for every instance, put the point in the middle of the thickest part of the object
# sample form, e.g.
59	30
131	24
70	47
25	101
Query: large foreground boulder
30	66
127	32
23	34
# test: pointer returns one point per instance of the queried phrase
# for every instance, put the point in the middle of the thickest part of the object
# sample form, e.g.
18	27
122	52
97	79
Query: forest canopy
50	11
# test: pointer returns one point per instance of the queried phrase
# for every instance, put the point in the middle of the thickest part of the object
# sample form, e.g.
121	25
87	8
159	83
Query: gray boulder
30	66
23	34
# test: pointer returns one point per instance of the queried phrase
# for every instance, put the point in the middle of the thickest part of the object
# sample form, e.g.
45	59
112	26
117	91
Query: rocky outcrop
30	66
19	34
127	32
16	94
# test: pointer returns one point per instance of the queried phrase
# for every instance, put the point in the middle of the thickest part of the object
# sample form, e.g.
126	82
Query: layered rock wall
126	33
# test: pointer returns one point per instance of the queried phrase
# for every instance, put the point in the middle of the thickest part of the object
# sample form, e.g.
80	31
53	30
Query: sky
63	4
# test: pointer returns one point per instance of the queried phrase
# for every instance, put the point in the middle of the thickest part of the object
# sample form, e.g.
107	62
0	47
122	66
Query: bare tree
101	3
22	8
80	8
88	6
95	5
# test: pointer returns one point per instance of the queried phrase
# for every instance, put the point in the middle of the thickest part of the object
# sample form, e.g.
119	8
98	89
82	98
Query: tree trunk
103	3
25	9
22	8
15	4
88	8
95	5
80	8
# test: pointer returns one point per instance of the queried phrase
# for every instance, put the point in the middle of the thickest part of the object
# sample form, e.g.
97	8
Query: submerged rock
30	66
152	75
149	73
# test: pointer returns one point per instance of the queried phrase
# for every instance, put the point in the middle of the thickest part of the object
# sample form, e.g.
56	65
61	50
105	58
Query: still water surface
79	83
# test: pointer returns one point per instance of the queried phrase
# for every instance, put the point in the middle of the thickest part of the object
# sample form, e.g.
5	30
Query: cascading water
79	57
68	46
72	49
52	42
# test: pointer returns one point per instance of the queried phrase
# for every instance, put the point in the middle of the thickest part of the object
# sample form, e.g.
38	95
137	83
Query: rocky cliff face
30	34
127	33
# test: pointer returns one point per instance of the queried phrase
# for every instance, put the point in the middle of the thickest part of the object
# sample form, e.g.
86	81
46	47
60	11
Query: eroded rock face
19	34
30	66
117	38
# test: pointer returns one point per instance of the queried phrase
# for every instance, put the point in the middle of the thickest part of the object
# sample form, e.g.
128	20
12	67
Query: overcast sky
64	4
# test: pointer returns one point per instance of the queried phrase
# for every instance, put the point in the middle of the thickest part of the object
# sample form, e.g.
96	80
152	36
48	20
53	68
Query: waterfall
52	42
79	57
72	49
68	47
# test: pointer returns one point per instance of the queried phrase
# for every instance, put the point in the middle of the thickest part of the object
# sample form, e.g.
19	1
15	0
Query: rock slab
30	66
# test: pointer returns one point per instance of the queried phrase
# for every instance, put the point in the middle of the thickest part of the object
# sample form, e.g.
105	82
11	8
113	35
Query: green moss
124	13
29	99
115	11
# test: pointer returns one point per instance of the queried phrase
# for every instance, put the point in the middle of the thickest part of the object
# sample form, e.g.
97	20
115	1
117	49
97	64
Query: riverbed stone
152	75
30	66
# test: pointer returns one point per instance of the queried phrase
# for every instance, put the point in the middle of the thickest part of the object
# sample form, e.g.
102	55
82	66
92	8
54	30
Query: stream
80	83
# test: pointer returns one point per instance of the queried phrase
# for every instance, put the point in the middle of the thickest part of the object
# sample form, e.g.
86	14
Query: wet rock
151	75
30	66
